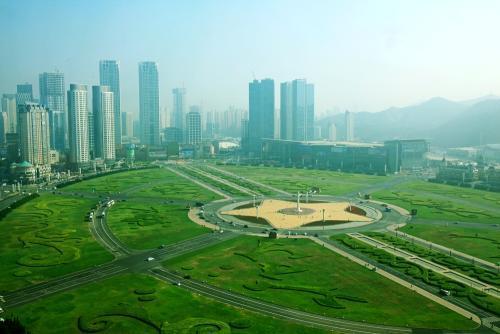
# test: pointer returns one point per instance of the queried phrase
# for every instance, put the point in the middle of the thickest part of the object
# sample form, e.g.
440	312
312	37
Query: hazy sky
361	55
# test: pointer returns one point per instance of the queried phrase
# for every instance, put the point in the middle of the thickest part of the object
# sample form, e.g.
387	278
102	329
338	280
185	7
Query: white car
149	259
1	310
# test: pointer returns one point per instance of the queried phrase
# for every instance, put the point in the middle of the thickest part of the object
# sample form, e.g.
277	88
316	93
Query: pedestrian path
440	269
398	280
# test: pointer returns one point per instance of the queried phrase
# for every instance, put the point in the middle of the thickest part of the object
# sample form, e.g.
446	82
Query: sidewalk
438	268
400	281
449	251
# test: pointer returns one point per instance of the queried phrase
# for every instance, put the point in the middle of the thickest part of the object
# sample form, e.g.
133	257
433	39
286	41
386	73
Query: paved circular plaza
283	214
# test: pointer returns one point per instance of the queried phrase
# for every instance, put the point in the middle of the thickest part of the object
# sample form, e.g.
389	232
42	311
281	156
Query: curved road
128	260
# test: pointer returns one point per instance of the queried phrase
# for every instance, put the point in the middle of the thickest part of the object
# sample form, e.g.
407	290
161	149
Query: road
273	310
129	260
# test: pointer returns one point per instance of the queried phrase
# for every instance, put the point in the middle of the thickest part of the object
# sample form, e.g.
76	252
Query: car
245	226
149	259
161	246
177	283
1	310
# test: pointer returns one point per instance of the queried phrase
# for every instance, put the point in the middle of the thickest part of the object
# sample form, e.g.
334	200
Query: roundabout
283	214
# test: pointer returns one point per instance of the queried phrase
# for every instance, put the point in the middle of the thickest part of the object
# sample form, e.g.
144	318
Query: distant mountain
479	124
444	122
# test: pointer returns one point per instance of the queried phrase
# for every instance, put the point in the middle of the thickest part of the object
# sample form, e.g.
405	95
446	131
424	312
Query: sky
361	55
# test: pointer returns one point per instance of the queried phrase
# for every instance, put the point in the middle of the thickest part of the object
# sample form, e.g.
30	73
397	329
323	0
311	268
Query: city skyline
354	49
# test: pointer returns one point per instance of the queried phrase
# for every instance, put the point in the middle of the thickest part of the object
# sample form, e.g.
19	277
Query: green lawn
239	181
293	180
481	243
459	290
195	173
45	238
137	303
145	226
300	274
465	267
171	186
119	181
442	202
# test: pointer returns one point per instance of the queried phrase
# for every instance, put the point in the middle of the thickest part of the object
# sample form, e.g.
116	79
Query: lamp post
299	210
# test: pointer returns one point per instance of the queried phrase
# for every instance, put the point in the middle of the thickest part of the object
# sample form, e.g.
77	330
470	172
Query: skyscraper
149	111
10	110
33	131
297	110
179	107
24	93
103	122
127	124
332	132
261	113
193	126
109	75
349	126
78	125
52	96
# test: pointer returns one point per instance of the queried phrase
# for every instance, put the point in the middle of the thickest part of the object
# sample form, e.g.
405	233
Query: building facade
149	104
127	124
178	108
193	126
109	75
34	136
260	113
297	110
103	123
53	97
24	93
349	126
78	125
10	109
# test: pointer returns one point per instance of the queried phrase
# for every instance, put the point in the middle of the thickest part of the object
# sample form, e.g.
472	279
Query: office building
34	137
53	97
193	126
297	110
332	132
4	123
178	108
10	109
78	125
260	113
109	75
24	93
127	124
103	123
149	104
349	126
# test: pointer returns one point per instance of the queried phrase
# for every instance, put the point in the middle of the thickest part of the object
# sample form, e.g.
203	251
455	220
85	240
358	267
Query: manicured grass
430	277
137	303
293	180
217	184
442	202
172	186
145	226
481	243
300	274
239	181
45	238
469	269
119	181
